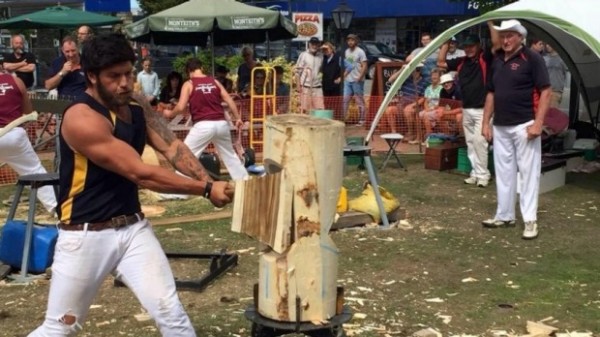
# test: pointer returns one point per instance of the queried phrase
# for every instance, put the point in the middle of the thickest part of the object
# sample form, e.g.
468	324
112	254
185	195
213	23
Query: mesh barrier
41	135
405	115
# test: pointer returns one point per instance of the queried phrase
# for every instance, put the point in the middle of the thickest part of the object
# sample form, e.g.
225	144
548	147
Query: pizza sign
309	25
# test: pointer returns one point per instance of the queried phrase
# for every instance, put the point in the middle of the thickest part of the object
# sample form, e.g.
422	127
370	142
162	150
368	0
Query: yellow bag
342	204
367	203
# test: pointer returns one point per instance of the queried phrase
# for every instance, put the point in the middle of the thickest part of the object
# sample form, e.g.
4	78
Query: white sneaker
482	182
413	142
493	223
471	181
531	230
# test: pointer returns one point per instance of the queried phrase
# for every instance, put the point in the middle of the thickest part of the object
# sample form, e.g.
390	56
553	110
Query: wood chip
101	324
469	279
434	300
142	317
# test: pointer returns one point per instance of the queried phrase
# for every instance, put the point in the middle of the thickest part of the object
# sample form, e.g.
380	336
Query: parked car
378	52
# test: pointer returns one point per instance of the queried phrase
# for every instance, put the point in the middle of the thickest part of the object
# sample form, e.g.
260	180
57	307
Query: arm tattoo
184	161
157	123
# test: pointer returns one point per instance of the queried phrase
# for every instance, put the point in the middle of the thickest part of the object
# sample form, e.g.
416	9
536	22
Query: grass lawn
438	269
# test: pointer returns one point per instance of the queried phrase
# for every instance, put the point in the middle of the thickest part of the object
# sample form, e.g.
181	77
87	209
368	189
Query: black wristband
207	189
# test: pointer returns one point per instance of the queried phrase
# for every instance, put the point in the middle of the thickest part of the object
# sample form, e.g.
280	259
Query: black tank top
89	193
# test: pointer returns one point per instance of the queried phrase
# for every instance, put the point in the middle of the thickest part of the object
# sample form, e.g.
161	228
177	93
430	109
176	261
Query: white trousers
217	132
515	154
17	152
477	146
83	259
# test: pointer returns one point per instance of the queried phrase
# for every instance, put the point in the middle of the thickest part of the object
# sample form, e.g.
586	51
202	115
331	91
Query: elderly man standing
309	78
20	62
518	98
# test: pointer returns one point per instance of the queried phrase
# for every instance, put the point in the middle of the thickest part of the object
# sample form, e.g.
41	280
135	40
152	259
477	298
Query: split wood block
311	150
262	209
308	271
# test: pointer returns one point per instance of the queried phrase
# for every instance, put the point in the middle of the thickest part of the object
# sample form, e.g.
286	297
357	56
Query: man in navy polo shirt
66	74
518	98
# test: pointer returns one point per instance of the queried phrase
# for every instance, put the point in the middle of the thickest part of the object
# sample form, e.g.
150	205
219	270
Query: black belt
116	222
311	87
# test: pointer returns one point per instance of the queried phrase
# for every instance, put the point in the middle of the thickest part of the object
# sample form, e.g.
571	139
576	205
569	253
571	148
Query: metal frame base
265	327
219	264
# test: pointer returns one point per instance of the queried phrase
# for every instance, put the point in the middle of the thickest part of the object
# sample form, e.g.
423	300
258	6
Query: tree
155	6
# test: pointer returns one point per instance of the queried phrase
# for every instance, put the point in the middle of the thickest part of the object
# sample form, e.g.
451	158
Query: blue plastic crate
42	245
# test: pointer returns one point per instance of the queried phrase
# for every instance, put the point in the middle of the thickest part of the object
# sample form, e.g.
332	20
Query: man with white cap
518	98
472	74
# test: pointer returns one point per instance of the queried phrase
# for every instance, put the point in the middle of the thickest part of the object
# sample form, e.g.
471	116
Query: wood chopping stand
290	211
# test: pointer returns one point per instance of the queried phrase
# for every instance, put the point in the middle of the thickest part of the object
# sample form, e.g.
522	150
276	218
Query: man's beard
18	51
111	100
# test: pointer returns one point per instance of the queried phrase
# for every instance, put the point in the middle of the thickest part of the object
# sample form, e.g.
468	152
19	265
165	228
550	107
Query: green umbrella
226	21
58	17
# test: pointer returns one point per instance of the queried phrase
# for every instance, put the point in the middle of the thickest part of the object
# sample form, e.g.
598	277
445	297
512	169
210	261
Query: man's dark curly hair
105	50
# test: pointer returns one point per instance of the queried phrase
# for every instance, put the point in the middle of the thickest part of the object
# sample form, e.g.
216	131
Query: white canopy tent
570	27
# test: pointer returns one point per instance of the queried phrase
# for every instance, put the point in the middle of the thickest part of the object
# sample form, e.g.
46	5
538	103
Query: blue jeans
357	89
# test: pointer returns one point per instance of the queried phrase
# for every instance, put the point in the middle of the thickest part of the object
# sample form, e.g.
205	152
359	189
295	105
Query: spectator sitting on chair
411	92
169	95
261	85
430	104
221	76
450	105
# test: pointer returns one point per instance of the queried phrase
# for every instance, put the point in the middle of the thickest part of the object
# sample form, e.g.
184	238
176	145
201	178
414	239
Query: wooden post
311	152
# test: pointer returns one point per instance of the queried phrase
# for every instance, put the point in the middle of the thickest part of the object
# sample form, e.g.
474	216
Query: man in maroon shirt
15	148
205	96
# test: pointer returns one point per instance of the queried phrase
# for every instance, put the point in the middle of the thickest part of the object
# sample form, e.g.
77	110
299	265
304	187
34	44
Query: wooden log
262	209
308	271
311	151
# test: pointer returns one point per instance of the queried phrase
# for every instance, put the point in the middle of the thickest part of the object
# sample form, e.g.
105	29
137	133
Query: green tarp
227	21
58	17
